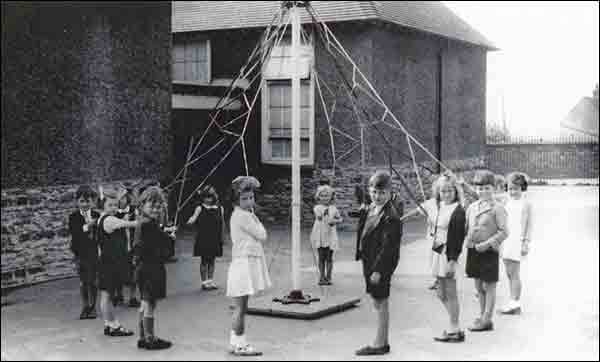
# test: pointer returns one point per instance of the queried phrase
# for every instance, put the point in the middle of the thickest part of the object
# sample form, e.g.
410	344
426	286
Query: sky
548	59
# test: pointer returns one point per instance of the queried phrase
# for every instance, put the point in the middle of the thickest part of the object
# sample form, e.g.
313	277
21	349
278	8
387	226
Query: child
378	246
486	230
82	225
113	261
248	273
446	232
209	220
151	251
127	212
517	244
324	236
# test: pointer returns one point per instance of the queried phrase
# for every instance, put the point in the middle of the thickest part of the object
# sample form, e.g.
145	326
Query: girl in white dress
324	236
248	273
516	246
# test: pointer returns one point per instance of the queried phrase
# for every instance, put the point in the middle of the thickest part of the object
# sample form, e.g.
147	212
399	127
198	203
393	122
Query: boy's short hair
85	191
381	180
517	178
484	177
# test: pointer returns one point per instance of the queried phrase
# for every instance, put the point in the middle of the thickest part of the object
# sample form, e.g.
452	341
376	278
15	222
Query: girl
378	246
113	261
324	236
517	244
486	230
446	232
151	250
210	226
248	273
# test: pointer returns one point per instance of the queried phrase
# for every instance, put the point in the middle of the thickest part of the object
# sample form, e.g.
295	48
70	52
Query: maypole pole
296	295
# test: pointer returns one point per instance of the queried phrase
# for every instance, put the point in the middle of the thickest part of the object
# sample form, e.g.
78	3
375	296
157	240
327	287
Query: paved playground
560	299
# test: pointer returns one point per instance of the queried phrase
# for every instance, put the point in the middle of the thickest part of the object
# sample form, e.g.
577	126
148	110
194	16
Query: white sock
234	340
242	340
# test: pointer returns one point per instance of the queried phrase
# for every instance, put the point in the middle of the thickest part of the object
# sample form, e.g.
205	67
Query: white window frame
208	62
266	148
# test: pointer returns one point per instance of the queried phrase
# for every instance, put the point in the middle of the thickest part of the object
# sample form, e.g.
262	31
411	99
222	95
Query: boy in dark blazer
378	246
82	224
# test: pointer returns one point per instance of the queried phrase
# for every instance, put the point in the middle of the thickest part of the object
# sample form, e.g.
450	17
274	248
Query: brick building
428	65
86	90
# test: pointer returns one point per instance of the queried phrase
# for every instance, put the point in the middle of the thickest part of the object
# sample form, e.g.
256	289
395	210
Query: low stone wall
274	200
35	236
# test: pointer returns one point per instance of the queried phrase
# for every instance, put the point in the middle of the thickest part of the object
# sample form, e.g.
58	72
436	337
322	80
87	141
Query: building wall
85	92
85	99
403	67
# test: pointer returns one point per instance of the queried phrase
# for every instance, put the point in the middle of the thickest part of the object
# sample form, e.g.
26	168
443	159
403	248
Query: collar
209	206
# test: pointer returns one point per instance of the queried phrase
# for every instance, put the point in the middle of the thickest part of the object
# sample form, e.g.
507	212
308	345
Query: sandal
245	351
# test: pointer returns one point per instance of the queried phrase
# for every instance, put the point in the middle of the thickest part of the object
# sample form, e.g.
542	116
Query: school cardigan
456	233
83	244
151	244
247	233
379	247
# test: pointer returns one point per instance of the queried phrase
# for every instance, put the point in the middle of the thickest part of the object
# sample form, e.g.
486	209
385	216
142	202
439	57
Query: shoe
133	303
117	332
481	326
322	281
84	313
373	351
212	286
92	313
455	337
511	311
434	285
205	286
244	351
153	343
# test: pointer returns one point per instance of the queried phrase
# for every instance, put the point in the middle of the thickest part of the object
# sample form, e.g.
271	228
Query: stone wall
274	198
35	236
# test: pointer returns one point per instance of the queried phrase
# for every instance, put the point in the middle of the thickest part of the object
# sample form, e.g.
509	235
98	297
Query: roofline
490	47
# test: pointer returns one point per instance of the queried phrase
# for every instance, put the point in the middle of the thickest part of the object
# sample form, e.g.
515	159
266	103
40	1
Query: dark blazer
379	249
457	230
83	244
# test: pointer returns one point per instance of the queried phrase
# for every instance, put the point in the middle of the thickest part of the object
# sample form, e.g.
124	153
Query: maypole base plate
307	308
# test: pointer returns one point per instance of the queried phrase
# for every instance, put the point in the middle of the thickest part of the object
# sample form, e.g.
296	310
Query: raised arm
193	218
113	223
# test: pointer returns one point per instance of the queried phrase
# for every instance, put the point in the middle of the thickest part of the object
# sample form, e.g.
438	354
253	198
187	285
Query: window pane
286	94
201	50
304	148
286	121
305	94
178	71
305	118
202	69
275	95
276	149
191	71
190	52
275	118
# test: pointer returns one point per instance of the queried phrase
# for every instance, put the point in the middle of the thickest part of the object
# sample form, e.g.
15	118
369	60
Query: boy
85	248
378	246
113	261
486	230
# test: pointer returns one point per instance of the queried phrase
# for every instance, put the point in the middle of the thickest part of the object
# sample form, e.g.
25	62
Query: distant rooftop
427	16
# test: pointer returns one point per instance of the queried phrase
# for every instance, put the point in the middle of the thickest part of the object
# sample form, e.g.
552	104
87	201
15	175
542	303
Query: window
277	107
191	61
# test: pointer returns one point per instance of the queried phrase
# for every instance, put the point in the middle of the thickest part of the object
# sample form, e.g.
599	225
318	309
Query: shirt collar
209	206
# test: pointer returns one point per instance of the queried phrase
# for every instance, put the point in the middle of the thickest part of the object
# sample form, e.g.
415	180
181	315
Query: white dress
324	235
511	247
439	234
248	273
